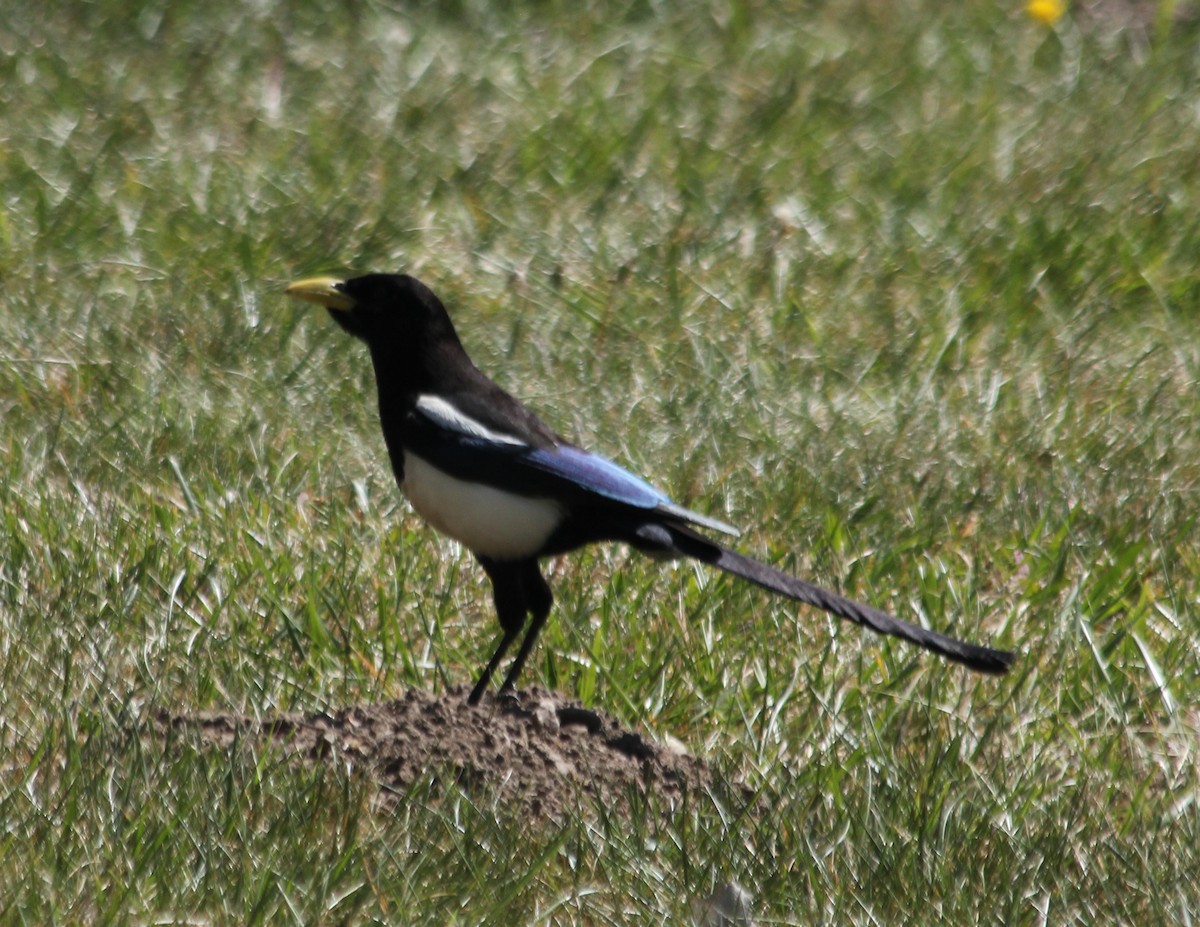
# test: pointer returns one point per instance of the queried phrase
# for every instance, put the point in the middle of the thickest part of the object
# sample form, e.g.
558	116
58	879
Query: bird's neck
411	369
401	377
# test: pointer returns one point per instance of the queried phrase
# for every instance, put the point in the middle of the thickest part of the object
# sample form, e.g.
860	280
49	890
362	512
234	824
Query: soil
538	753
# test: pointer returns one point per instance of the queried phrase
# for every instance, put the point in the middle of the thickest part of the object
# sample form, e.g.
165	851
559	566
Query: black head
393	313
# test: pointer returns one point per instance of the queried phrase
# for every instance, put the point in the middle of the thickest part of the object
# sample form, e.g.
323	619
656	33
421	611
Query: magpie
484	469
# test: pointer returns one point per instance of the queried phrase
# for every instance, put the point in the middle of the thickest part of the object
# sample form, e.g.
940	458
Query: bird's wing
441	432
600	476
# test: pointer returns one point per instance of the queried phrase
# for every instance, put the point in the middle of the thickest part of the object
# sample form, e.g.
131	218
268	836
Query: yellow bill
324	291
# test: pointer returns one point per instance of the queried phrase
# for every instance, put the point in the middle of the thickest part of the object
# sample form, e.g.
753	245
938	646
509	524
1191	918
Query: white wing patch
445	415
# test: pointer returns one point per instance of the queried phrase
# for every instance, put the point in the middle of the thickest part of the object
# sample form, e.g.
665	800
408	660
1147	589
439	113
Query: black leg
538	599
486	675
508	593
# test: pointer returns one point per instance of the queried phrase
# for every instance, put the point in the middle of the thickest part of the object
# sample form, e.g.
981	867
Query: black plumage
483	468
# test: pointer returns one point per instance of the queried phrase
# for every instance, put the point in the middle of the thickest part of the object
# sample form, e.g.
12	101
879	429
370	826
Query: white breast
489	521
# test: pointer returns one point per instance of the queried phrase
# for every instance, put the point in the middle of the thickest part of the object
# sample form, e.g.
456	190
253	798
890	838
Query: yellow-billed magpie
482	468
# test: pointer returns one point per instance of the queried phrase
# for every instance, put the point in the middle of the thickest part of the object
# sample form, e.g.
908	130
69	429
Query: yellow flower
1047	12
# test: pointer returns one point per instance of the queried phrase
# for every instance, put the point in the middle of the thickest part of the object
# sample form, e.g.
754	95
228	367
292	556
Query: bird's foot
508	697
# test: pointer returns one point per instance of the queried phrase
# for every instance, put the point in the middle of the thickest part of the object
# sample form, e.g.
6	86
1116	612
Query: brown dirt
539	754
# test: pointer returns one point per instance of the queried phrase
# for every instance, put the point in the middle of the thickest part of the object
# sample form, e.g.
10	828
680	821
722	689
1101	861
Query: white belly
489	521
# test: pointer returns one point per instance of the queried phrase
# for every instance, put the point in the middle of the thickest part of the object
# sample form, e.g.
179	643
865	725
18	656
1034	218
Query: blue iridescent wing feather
564	472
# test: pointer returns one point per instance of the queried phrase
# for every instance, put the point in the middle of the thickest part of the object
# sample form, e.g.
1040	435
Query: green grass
907	289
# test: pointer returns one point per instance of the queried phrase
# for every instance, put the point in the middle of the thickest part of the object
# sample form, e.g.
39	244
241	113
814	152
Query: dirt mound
539	752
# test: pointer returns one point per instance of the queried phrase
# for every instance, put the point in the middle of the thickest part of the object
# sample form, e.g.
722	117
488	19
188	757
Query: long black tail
676	539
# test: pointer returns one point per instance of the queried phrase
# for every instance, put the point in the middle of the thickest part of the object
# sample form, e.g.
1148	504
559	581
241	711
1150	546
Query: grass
906	289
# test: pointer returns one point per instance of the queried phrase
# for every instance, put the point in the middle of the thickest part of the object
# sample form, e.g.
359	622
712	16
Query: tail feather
691	544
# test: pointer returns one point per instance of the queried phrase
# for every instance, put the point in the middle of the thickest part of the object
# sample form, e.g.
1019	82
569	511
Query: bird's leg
508	593
486	675
538	599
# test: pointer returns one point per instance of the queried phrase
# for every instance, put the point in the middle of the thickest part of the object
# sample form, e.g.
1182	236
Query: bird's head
391	312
